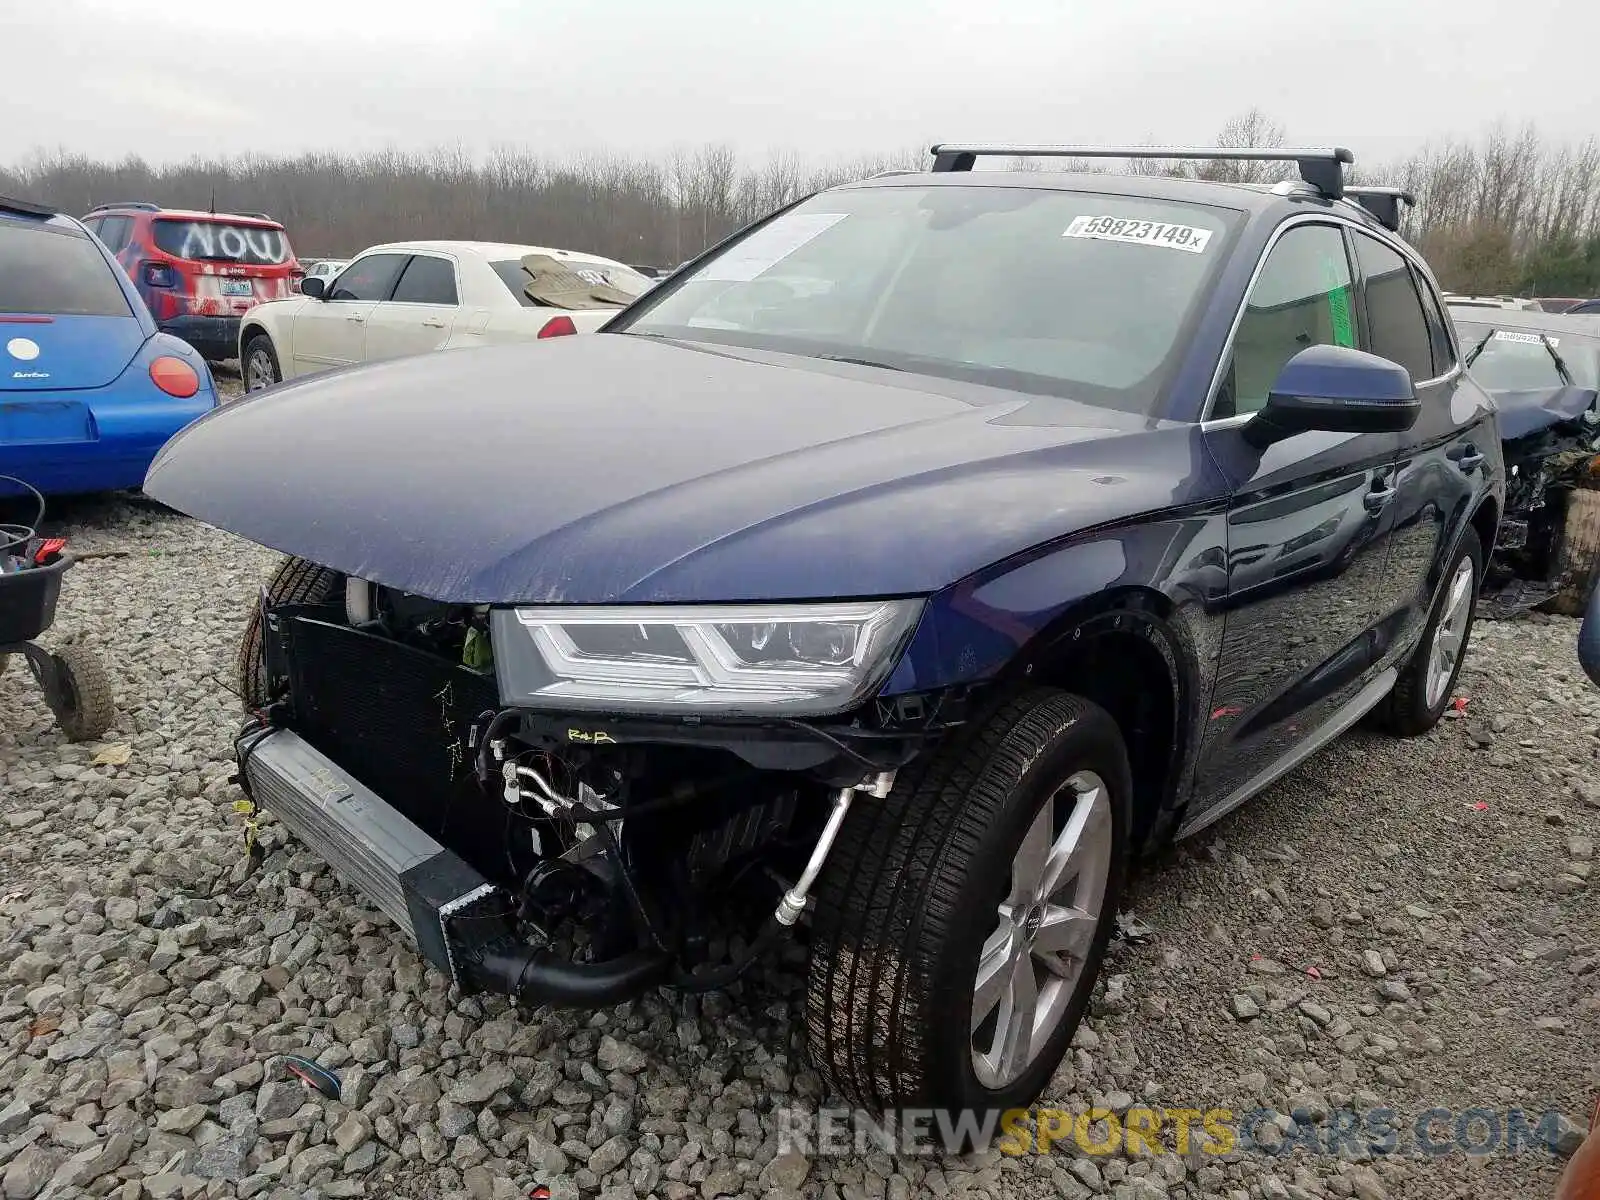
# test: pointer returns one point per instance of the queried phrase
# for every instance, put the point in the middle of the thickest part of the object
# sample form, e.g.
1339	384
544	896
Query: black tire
1407	711
259	352
910	894
82	702
296	581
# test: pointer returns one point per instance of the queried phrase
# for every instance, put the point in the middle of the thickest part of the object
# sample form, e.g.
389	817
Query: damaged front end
562	857
1551	442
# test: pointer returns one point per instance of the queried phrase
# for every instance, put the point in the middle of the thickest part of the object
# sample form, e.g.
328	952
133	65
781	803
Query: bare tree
1507	211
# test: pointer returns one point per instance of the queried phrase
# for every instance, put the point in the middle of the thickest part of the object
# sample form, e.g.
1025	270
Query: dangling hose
16	537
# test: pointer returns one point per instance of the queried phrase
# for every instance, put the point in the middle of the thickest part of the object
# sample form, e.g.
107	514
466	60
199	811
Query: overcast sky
823	77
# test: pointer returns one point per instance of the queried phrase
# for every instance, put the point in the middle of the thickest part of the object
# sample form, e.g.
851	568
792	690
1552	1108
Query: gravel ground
1399	924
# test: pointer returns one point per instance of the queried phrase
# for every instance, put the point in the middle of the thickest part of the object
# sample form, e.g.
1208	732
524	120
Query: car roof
184	214
491	250
1253	198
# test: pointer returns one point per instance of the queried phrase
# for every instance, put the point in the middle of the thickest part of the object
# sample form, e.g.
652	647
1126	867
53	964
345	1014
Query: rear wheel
260	366
296	581
1429	675
961	922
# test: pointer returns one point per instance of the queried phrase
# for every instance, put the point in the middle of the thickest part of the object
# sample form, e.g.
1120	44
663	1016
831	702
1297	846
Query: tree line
1505	212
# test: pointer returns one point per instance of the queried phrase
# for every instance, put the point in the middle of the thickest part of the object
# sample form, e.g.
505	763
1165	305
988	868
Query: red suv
199	272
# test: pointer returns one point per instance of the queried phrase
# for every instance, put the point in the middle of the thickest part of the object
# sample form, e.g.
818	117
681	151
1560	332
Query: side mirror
313	285
1336	390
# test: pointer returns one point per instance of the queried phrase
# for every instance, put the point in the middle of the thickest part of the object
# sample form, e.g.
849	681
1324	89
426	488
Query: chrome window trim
1322	218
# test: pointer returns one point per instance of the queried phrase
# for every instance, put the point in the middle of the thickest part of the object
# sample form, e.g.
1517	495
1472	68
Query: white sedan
413	297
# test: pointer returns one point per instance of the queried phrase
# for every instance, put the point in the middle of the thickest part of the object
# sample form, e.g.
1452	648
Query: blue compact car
89	389
901	569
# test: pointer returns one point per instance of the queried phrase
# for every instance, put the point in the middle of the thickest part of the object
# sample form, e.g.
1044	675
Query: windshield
1078	294
1519	360
57	273
223	241
516	277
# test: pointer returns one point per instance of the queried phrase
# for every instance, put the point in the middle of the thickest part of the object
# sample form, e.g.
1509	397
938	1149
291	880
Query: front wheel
1429	675
296	581
961	922
260	367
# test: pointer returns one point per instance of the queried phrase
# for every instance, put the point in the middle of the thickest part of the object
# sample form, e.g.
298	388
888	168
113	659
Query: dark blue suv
899	569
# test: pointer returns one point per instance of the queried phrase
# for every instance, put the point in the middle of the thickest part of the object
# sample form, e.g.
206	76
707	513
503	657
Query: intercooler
414	880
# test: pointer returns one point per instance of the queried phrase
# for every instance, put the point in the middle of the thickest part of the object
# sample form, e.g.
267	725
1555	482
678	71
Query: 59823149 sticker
1528	339
1188	238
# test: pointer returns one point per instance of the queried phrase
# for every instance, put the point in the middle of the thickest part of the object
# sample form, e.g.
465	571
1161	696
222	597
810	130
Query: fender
282	338
1162	582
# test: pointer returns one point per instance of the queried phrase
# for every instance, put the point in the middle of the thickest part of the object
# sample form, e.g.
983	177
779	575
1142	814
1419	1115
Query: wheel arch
1485	521
253	326
1128	652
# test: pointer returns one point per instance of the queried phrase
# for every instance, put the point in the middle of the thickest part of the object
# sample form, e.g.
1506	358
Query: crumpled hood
1526	411
615	468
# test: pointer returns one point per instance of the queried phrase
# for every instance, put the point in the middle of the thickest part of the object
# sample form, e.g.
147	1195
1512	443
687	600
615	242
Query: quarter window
1300	299
1444	357
1399	330
369	278
427	280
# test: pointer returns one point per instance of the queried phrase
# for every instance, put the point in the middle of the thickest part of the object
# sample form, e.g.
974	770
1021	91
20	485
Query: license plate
237	287
44	421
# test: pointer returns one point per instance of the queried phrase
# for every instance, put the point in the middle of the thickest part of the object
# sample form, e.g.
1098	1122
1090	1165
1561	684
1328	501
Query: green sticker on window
1344	332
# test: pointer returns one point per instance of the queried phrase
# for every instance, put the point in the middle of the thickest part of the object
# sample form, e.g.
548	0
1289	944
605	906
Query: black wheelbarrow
72	678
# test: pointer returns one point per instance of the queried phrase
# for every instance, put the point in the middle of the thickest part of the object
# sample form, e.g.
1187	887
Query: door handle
1378	498
356	319
432	324
1466	457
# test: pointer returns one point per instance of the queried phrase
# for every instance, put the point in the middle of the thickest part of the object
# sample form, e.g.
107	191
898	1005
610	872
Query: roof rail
1383	203
141	205
1322	167
260	216
26	208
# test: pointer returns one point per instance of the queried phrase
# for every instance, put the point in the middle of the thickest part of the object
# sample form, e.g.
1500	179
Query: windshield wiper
860	362
1561	363
1472	355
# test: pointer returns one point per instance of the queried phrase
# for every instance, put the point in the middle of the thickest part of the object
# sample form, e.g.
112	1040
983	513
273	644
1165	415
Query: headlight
735	660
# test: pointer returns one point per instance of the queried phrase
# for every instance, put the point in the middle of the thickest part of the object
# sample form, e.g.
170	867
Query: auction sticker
1533	339
1144	233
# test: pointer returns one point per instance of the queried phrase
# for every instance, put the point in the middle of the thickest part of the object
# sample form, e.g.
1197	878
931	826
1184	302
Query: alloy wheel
258	372
1031	965
1450	633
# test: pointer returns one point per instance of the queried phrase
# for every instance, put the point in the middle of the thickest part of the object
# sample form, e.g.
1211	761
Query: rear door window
1399	330
57	273
369	278
427	280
